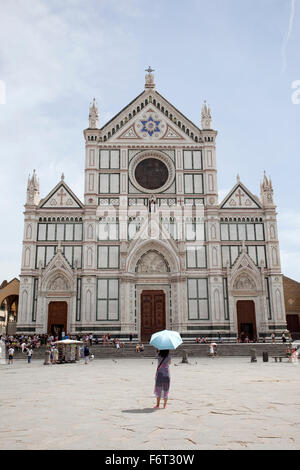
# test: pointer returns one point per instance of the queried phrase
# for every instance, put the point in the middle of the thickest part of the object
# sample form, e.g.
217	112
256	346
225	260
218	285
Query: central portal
57	318
246	320
153	313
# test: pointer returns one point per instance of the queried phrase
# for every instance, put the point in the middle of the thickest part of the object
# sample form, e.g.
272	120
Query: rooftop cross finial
149	78
149	70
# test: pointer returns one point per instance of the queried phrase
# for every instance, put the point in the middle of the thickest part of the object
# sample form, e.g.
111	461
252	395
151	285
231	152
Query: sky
241	56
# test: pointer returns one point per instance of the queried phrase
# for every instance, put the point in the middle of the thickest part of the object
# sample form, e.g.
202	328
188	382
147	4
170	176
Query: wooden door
293	324
153	313
246	319
57	318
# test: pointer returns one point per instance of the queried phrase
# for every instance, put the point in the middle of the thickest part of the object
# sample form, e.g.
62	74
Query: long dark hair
163	353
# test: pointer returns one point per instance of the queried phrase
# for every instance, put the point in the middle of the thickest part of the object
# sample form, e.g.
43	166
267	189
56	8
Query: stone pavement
220	403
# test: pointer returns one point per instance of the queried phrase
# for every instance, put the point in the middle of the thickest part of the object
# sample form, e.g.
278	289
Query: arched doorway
153	313
57	318
246	320
9	300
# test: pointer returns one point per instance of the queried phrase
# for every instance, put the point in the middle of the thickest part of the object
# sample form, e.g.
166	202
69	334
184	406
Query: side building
151	247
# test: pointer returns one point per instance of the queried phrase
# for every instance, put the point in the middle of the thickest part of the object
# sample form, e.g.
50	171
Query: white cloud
288	35
55	57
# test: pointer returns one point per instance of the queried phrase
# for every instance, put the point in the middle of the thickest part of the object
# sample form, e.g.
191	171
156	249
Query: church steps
193	350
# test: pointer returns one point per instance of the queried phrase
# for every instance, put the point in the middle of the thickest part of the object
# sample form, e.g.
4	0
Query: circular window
151	173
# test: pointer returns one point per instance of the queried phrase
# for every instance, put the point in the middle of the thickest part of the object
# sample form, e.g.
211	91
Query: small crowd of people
139	348
292	354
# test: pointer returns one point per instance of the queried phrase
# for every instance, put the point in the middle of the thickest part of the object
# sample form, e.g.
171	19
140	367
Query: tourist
162	377
130	337
55	355
283	338
141	347
29	355
11	352
137	348
211	350
51	354
219	338
294	355
117	343
273	337
86	353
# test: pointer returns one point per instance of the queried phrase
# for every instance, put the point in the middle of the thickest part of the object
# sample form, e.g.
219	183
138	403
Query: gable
240	198
61	197
179	126
148	126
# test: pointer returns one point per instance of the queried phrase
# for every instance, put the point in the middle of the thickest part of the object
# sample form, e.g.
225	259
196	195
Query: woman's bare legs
157	402
165	402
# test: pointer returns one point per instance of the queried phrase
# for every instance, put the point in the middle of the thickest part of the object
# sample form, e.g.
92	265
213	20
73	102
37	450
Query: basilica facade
151	246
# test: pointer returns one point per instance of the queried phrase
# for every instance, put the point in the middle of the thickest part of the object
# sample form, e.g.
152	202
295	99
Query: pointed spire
149	78
266	191
205	117
238	179
93	115
62	176
33	189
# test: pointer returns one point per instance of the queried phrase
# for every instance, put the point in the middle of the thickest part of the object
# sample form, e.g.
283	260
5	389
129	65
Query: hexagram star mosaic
150	126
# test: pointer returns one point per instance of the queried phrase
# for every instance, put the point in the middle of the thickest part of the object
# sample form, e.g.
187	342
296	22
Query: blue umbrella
166	339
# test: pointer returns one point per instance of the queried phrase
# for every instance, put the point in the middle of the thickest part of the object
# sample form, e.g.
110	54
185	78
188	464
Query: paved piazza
221	403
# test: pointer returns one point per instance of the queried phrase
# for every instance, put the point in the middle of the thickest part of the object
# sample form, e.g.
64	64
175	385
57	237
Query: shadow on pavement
141	410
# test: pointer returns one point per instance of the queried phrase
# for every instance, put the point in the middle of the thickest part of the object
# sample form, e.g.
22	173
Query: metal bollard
253	355
265	356
47	358
184	357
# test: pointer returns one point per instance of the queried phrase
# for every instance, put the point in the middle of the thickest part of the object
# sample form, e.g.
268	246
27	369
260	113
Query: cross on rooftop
149	70
239	194
61	194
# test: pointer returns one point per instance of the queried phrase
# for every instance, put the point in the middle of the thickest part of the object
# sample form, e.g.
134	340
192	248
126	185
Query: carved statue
58	284
152	262
244	283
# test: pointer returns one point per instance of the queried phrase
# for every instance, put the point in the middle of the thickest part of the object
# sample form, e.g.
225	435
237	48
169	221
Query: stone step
196	350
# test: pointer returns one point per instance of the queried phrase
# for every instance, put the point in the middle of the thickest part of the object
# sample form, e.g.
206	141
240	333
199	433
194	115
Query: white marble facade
151	220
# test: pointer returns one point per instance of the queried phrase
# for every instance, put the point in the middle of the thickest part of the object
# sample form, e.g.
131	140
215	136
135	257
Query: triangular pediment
244	261
61	197
245	275
58	275
149	126
240	198
150	118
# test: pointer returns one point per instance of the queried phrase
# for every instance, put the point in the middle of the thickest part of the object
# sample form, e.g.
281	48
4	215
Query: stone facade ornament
58	284
244	283
152	262
149	78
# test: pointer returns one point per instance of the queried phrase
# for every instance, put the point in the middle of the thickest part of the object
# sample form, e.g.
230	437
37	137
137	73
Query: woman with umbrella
164	341
162	377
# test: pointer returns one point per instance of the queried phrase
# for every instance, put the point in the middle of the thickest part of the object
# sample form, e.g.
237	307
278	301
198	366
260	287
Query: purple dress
162	377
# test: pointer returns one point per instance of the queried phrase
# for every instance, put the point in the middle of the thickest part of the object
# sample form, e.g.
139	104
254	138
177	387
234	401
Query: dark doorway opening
57	318
246	320
153	313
